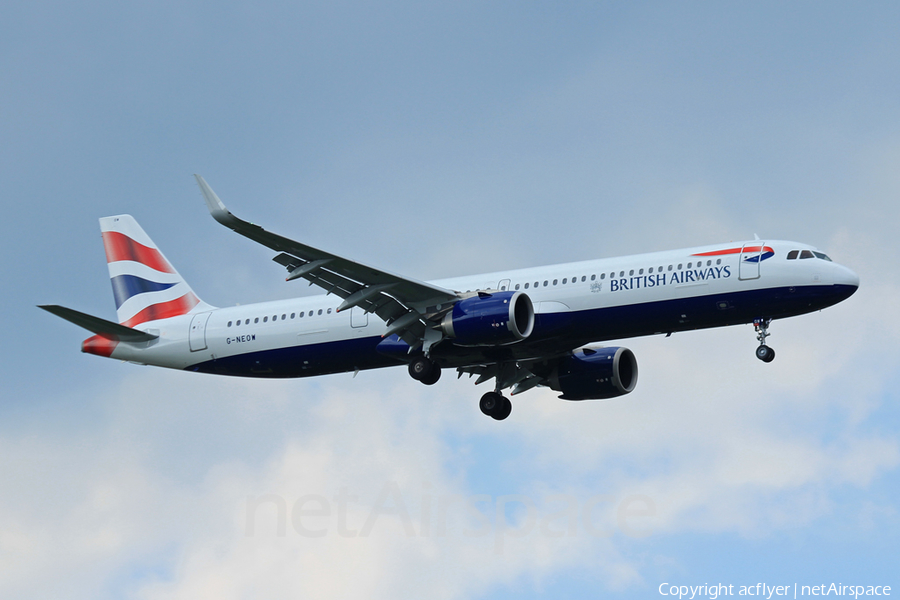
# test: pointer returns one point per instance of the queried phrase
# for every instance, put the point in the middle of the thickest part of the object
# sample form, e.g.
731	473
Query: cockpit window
822	256
806	254
793	254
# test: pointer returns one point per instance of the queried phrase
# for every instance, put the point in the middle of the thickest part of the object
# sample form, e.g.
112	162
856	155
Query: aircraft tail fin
145	285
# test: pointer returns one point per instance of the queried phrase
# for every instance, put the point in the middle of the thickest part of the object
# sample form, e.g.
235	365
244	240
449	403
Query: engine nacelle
595	374
489	319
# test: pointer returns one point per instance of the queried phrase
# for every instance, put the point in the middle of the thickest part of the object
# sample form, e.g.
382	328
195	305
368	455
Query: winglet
216	208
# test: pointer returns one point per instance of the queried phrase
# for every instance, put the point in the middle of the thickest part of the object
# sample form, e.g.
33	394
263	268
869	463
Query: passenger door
197	336
751	256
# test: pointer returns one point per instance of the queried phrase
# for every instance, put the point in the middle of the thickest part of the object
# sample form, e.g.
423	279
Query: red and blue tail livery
145	285
548	326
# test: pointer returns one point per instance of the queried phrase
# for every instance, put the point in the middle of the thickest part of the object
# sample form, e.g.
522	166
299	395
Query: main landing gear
425	370
763	352
495	405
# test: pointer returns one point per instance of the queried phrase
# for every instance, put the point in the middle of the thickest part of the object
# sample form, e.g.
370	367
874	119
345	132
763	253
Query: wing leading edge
408	306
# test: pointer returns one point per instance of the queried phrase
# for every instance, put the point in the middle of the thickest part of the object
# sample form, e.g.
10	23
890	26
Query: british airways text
679	277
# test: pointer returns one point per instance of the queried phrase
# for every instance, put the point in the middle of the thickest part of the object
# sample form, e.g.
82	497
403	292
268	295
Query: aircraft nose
848	278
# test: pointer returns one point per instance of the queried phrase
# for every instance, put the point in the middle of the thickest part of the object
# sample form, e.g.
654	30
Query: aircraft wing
405	304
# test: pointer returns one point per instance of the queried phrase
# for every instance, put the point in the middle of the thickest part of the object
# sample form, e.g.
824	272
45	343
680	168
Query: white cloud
716	440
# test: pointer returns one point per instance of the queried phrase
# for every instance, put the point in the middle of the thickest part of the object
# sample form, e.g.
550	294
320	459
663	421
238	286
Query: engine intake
595	374
489	319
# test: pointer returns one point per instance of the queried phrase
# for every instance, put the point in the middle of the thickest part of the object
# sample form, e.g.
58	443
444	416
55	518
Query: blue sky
438	141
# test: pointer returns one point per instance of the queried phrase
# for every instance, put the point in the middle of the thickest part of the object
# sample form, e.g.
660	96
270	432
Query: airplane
523	328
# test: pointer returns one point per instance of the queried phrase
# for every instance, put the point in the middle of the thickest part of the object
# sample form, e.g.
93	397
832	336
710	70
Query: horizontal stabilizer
99	326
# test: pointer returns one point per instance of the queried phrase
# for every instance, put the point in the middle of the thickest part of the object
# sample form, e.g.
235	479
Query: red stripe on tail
164	310
99	345
121	247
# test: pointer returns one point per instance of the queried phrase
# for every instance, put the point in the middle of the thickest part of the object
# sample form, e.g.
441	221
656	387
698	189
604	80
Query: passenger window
793	254
237	323
301	314
320	311
719	261
247	322
583	278
689	265
593	277
679	266
602	275
564	280
526	286
329	311
229	323
621	273
641	272
265	319
537	284
256	320
708	263
650	270
546	282
555	281
293	315
670	267
517	286
806	254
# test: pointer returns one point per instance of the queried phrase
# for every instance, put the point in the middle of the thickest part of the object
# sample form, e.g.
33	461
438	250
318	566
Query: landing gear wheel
494	405
432	377
765	354
420	368
503	410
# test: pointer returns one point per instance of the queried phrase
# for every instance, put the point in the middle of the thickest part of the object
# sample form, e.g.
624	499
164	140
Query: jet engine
489	319
589	374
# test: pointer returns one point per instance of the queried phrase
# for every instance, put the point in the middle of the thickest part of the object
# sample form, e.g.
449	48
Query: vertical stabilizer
145	285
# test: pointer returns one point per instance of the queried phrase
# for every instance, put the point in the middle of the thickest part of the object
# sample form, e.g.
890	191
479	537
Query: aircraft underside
554	334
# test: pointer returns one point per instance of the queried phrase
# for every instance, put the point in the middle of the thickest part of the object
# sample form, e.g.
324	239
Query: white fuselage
574	303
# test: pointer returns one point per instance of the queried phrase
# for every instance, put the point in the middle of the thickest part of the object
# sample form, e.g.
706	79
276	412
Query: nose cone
847	277
846	280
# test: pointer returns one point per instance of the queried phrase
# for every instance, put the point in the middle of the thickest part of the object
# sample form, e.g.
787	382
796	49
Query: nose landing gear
495	405
763	352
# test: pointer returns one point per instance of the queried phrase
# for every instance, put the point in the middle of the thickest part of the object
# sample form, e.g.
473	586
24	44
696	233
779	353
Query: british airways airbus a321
523	328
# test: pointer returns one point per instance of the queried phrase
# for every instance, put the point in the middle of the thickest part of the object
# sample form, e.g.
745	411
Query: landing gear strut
495	405
763	352
425	370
